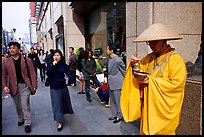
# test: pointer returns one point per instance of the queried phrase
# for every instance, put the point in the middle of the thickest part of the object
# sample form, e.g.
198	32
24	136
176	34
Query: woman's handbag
104	87
81	76
47	82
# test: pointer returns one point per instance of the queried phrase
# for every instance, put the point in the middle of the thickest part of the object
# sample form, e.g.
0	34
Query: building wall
56	13
191	112
184	18
48	26
73	26
75	32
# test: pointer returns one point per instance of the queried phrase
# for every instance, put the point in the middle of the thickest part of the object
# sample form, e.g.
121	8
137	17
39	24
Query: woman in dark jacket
61	102
89	71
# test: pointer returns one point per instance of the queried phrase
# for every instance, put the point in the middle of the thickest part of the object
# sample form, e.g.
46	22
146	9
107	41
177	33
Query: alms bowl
140	76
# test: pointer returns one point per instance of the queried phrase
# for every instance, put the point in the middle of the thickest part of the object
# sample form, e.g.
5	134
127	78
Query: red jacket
104	87
9	73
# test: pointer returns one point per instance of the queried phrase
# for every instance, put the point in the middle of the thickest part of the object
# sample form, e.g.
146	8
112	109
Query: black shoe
112	118
20	123
83	92
116	120
27	129
89	100
60	128
79	92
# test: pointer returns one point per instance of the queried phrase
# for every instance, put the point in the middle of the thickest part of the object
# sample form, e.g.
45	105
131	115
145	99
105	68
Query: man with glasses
157	100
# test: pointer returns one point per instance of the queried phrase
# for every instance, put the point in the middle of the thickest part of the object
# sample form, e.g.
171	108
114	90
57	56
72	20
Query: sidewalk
88	118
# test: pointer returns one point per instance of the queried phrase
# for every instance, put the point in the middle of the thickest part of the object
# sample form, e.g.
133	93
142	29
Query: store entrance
116	28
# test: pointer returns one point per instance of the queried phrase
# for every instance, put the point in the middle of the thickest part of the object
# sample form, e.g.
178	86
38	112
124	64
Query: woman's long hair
42	52
86	53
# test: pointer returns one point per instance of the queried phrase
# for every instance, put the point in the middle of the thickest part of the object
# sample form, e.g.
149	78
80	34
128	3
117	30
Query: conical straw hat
157	31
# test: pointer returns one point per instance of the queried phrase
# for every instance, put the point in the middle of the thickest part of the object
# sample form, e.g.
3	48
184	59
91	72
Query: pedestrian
42	64
3	94
72	64
103	91
60	98
81	75
34	57
46	53
48	58
157	100
16	82
89	71
116	73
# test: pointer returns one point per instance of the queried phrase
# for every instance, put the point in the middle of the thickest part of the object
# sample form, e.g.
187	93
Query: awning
83	7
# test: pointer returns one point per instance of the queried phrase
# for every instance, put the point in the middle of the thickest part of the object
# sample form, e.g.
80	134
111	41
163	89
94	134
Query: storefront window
106	25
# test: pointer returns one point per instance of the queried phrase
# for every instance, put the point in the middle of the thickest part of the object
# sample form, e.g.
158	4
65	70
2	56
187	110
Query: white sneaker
103	102
107	106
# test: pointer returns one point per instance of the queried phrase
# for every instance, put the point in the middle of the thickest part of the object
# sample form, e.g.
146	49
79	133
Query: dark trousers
87	82
42	71
103	95
74	77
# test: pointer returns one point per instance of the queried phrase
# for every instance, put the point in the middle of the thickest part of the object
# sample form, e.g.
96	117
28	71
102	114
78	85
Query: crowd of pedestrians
156	100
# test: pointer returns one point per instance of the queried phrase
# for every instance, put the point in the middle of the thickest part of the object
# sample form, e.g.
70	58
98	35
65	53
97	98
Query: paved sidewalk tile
88	118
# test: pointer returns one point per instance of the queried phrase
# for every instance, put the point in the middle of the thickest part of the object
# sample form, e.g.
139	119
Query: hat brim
145	40
157	31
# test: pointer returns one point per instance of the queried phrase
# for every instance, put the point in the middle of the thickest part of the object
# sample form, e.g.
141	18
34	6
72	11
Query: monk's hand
146	80
134	59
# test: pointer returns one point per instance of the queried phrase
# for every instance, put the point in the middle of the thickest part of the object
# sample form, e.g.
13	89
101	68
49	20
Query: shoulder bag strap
27	68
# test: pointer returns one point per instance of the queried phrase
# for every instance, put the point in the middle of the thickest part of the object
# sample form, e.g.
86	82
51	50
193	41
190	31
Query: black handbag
32	93
47	82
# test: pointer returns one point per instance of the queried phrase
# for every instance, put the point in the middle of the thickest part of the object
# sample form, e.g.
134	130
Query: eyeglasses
152	42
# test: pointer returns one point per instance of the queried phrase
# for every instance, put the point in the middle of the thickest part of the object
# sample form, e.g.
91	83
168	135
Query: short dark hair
15	44
71	48
112	47
32	48
51	50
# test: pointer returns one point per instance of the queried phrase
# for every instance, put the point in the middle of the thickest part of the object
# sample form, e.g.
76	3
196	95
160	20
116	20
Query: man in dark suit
35	59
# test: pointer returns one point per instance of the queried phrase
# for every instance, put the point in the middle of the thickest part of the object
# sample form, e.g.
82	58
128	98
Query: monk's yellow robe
159	102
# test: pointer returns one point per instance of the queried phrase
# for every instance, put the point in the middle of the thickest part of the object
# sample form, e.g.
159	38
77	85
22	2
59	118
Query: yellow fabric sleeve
130	97
163	98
